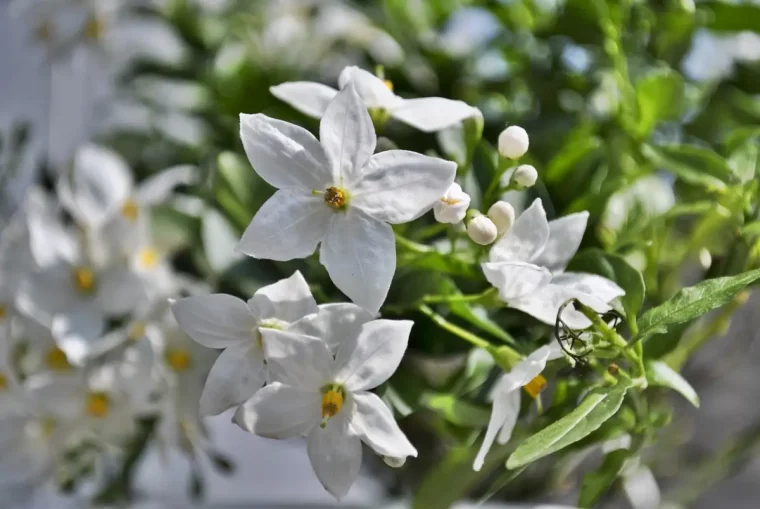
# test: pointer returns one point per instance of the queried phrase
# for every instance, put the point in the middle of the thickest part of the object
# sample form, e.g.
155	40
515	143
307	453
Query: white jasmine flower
428	114
326	398
452	206
513	142
503	216
223	321
525	176
482	230
339	194
506	397
527	265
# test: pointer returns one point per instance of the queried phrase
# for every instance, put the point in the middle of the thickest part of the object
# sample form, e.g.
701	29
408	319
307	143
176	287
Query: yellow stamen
94	28
148	258
335	198
44	32
136	332
84	279
3	311
449	201
332	403
130	210
98	405
389	84
178	359
3	382
56	360
535	386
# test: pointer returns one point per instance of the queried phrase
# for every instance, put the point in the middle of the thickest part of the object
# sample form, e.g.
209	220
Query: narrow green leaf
660	97
659	373
456	411
745	160
570	156
694	165
478	317
730	17
598	406
596	484
693	302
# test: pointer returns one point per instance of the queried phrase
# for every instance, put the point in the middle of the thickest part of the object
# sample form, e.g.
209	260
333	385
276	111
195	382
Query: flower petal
371	358
119	291
280	411
373	421
307	97
591	284
503	411
157	188
215	321
77	331
234	378
515	279
334	323
359	253
284	154
373	91
335	455
398	186
565	235
526	239
430	114
544	304
296	359
348	137
287	300
513	412
289	225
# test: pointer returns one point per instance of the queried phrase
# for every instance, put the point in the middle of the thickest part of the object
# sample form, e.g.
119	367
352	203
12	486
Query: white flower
513	142
452	206
428	114
503	216
525	176
506	397
326	398
339	194
223	321
482	230
527	264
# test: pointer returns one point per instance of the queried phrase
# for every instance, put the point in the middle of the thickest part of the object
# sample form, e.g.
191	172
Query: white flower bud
452	206
513	142
394	462
482	230
503	215
525	175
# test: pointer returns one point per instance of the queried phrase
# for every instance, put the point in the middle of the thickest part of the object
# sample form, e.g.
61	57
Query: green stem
442	299
412	246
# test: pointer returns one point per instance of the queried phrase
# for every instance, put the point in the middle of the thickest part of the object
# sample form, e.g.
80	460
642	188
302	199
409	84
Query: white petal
526	239
452	206
284	154
287	300
591	284
503	408
372	357
307	97
335	455
530	367
398	186
513	411
515	279
565	235
296	359
77	331
545	302
334	323
235	377
119	291
348	136
373	421
289	225
373	91
279	411
359	253
215	321
101	181
157	188
432	114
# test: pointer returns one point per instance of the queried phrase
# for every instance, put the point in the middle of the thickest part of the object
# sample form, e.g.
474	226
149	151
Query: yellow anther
98	405
130	210
3	311
148	258
94	28
450	201
137	331
3	382
84	279
335	198
178	359
389	84
332	403
535	386
56	360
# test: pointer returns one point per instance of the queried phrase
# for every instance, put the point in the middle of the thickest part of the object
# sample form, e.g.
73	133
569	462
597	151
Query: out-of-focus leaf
659	373
596	484
694	165
659	97
744	161
456	411
238	175
731	17
219	241
438	262
569	157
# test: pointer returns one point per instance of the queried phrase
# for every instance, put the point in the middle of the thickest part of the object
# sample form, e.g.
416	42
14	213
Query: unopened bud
394	462
452	206
513	142
482	230
503	216
525	175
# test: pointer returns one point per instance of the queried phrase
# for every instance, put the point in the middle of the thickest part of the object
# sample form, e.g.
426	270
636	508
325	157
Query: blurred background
162	82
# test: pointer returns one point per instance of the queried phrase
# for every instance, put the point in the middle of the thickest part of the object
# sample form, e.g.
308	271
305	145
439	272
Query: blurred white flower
452	206
426	114
326	398
339	194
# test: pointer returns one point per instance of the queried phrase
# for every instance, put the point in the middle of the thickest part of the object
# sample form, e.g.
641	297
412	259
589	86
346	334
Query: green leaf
659	373
456	411
694	165
615	268
693	302
596	484
745	160
570	156
598	406
730	17
239	176
660	97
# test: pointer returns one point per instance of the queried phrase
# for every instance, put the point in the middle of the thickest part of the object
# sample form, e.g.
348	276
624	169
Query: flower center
147	258
332	402
56	360
94	28
3	382
136	331
130	210
178	359
3	311
535	386
389	84
84	280
98	405
335	197
267	324
44	32
449	201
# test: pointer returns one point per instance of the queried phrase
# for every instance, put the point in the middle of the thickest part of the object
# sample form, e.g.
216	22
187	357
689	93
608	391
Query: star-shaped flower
337	193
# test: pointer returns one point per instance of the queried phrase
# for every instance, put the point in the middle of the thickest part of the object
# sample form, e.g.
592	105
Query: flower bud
513	142
525	175
452	206
481	230
503	215
394	462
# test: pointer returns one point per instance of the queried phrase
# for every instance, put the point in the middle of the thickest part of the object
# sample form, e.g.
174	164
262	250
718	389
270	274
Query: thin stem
454	329
437	299
412	246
